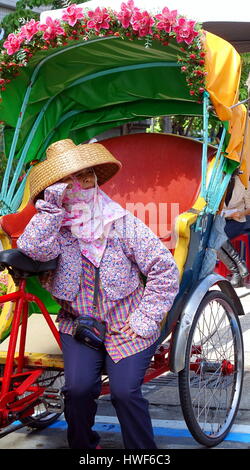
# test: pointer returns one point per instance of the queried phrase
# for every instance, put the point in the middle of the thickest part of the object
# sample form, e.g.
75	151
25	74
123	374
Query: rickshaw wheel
210	384
42	416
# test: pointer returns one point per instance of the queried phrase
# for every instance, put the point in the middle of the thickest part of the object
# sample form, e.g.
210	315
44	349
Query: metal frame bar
205	144
22	299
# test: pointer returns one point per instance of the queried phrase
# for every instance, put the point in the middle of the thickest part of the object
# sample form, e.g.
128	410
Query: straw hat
65	158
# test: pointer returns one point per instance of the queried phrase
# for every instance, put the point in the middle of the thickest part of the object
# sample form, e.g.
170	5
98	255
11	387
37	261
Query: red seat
160	178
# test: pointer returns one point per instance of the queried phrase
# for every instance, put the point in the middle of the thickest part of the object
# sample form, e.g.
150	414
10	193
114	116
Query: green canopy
90	86
89	82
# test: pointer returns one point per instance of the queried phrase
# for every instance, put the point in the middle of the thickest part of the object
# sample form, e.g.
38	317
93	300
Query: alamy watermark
159	217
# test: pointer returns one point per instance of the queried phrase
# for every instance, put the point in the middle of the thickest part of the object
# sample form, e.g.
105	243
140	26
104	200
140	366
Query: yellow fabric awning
245	157
223	67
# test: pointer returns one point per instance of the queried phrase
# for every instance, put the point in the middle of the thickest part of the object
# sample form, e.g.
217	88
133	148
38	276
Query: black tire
41	418
42	421
210	384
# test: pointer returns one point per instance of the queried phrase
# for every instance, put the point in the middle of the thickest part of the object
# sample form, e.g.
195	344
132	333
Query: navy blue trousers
233	228
83	368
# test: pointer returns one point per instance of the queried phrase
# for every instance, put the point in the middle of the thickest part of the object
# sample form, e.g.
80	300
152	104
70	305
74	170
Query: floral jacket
132	248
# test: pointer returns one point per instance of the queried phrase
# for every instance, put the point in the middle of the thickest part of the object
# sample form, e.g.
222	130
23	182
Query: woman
92	235
236	211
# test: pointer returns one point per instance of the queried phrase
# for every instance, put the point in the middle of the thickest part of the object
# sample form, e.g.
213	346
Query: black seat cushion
17	260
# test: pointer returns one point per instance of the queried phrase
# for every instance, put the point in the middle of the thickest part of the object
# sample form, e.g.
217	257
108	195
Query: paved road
169	428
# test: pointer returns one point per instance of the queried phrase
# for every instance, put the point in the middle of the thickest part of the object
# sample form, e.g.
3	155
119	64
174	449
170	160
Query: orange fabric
238	148
223	67
245	166
236	129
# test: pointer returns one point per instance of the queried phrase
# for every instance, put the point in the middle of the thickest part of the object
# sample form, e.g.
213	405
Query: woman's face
86	178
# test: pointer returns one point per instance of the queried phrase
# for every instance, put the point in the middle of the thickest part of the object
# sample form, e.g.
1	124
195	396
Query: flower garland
129	23
193	65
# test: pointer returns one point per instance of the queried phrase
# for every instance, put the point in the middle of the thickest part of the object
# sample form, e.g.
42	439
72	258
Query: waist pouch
89	331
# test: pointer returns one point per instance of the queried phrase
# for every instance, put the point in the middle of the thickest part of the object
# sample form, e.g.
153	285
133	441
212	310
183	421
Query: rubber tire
41	423
183	376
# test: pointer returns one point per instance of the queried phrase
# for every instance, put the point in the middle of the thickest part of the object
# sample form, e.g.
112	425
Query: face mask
89	216
76	194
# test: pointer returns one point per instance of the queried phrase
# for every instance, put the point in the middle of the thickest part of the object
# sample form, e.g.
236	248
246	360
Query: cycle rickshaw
77	74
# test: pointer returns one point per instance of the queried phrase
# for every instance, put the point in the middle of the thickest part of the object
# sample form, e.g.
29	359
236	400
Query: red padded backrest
160	173
160	178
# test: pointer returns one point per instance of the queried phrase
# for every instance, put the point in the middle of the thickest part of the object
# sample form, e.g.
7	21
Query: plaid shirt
118	345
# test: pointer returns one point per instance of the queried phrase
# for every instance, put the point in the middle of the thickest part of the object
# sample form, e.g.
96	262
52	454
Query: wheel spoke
212	378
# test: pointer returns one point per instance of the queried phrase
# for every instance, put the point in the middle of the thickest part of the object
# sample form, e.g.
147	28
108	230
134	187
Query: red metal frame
15	385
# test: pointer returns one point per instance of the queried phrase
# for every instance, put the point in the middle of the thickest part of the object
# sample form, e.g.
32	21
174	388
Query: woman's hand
54	194
127	329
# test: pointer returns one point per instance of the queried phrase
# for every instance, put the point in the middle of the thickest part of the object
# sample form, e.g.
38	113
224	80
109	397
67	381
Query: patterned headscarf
89	215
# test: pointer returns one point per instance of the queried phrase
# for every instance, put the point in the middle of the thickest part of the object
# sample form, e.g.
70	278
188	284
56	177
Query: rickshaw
81	72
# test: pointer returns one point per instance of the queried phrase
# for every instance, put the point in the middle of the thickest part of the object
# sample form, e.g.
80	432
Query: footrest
53	361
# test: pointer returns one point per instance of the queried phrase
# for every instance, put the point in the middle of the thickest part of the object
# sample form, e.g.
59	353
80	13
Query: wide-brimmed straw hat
64	158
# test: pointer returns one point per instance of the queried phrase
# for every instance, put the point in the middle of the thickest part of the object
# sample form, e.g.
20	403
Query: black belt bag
88	330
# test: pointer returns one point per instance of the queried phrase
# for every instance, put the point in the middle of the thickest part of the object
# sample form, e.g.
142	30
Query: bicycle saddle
15	260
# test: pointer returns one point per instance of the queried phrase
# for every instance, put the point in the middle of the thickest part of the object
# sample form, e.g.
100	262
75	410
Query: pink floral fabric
89	216
113	312
132	248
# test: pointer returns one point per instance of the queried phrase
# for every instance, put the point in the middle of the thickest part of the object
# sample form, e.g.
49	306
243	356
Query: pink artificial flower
13	43
21	177
51	29
166	19
30	29
142	22
126	13
72	14
184	30
99	19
